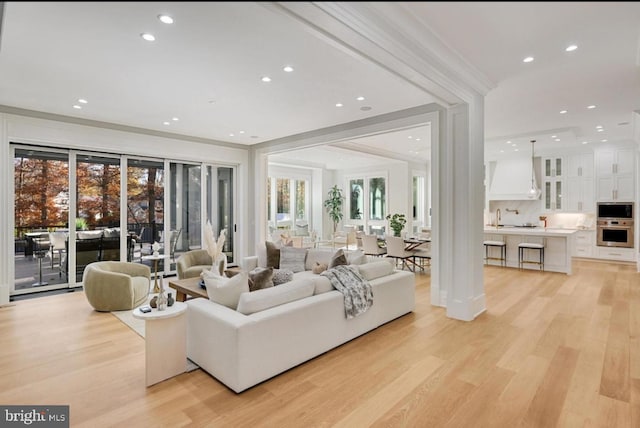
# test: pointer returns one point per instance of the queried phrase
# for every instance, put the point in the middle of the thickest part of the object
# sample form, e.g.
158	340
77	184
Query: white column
458	201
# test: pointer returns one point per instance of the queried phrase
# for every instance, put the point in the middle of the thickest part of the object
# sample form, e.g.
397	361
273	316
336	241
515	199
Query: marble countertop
533	231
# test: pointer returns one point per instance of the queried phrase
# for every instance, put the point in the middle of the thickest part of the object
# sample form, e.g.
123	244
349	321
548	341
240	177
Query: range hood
510	179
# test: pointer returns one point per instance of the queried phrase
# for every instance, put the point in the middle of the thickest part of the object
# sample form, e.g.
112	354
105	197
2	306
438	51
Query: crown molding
114	126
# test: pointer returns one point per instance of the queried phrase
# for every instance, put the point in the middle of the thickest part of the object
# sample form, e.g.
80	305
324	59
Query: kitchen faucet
498	217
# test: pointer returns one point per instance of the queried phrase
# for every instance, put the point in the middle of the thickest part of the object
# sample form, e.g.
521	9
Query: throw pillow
260	278
338	259
292	258
356	258
273	255
317	255
280	276
377	269
226	291
319	268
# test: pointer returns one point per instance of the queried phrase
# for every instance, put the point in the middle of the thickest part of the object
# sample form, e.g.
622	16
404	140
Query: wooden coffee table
187	287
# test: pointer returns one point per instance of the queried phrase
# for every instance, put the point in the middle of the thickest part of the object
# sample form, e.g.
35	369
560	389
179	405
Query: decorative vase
156	249
154	302
162	299
170	300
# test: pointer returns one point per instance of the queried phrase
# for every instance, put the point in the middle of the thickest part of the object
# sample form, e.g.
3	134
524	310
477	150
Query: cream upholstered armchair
116	286
191	263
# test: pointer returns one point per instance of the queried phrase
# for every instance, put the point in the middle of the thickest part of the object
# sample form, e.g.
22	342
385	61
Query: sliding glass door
50	253
41	212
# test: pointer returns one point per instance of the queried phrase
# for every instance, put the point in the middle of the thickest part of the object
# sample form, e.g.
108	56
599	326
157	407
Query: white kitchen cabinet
615	175
584	242
615	253
579	192
553	184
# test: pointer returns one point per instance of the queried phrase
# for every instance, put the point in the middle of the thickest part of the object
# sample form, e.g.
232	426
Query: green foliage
333	204
81	224
396	222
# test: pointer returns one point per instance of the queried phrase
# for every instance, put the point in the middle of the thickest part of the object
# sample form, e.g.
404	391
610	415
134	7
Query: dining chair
395	249
370	246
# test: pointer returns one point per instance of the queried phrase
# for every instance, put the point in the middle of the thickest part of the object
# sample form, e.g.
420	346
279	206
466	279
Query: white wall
53	133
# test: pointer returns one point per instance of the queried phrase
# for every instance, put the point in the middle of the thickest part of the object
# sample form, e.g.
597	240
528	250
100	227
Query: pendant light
534	192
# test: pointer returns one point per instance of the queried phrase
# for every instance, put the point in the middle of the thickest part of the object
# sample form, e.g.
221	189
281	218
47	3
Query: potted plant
396	222
333	204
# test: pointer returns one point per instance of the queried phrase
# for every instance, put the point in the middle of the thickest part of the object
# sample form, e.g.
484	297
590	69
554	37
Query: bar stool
503	252
530	246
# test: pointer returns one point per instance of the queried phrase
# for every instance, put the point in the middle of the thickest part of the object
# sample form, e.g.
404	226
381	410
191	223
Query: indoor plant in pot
333	204
396	222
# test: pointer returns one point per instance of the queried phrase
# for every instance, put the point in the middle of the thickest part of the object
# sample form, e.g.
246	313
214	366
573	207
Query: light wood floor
551	350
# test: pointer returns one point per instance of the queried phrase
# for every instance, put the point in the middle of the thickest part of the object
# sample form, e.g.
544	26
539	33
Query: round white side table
165	337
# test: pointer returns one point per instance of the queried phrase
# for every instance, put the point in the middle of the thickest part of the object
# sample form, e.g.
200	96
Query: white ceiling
205	69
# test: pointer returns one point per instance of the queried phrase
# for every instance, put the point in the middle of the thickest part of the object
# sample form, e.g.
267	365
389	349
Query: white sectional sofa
243	350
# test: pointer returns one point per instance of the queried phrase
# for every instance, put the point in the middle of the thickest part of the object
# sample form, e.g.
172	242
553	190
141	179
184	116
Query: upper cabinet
553	183
579	183
615	174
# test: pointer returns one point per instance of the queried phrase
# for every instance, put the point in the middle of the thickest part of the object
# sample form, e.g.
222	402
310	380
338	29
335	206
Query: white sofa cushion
270	297
377	269
226	291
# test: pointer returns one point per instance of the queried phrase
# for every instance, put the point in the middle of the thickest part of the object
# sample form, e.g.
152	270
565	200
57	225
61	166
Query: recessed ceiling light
266	79
604	141
338	104
76	106
148	37
600	130
360	98
516	150
563	112
509	142
599	127
585	142
418	139
175	119
513	145
554	136
242	132
166	19
166	123
82	100
557	139
591	106
571	48
288	68
409	137
232	135
501	151
528	59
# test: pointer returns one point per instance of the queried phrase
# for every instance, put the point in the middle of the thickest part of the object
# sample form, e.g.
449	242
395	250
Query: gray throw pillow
280	276
292	258
260	278
338	259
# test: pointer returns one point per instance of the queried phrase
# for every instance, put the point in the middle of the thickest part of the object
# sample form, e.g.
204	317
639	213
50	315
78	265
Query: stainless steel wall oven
615	224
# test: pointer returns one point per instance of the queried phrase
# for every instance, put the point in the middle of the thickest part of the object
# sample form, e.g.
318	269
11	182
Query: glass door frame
210	206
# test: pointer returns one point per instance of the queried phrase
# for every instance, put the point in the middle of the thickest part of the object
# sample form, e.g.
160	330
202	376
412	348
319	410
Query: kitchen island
558	245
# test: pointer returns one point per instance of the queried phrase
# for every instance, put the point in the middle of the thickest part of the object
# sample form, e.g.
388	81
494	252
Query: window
288	202
356	199
377	196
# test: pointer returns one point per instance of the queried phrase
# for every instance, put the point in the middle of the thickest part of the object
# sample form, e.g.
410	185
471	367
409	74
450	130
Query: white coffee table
165	340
